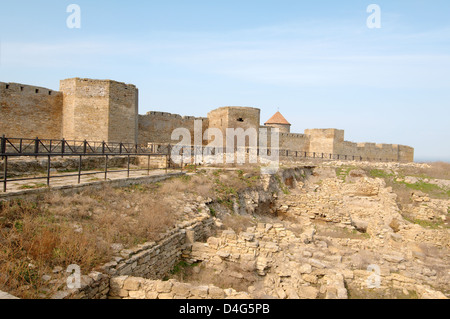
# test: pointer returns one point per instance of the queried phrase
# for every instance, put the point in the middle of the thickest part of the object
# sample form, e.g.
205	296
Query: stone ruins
105	110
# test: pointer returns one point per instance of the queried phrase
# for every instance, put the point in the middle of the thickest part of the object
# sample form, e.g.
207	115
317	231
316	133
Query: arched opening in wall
240	119
21	88
49	92
7	86
37	90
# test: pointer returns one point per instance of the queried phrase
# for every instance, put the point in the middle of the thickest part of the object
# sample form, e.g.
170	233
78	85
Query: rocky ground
338	233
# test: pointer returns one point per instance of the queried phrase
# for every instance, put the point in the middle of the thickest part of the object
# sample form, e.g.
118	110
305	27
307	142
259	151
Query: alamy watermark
239	146
374	280
74	19
374	20
74	279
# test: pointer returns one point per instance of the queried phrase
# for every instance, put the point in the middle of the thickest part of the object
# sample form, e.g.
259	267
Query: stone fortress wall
30	111
105	110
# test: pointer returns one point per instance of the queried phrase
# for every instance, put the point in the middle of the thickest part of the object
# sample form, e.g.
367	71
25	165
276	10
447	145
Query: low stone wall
151	260
125	287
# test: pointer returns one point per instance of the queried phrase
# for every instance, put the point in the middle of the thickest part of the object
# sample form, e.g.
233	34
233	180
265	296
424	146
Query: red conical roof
278	118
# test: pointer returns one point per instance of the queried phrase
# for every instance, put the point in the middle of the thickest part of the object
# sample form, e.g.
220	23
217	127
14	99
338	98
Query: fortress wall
30	111
105	110
349	149
377	151
294	142
123	111
368	150
157	127
86	109
405	153
325	141
99	110
234	117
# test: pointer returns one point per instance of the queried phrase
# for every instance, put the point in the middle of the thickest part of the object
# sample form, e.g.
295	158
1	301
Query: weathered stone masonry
105	110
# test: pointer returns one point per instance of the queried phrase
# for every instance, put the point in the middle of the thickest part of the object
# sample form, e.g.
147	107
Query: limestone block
308	292
163	287
305	269
181	290
200	291
140	294
132	283
216	293
151	295
116	286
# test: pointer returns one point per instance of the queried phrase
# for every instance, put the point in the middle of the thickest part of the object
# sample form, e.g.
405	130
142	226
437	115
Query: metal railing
48	148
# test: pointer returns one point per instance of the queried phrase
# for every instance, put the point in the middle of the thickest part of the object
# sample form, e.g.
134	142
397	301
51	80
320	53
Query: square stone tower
99	110
233	117
325	141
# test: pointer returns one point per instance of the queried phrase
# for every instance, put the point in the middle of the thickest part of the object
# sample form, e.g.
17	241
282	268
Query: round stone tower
278	121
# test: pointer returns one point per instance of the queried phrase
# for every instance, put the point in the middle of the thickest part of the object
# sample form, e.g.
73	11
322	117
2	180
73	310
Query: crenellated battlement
173	116
89	109
23	89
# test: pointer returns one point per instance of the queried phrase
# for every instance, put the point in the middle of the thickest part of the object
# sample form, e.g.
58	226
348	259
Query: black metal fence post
106	167
63	147
48	170
128	166
36	146
3	145
79	169
5	173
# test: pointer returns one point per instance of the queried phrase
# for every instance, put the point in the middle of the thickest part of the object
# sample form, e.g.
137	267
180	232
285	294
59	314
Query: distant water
431	159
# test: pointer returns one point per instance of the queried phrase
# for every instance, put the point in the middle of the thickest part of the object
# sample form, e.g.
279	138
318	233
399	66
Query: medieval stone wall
30	111
157	127
123	113
99	110
235	118
105	110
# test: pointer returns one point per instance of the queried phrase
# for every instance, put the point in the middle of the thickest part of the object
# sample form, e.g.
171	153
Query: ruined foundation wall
29	111
153	260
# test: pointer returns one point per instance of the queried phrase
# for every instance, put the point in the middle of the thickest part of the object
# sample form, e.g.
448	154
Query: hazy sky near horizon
317	61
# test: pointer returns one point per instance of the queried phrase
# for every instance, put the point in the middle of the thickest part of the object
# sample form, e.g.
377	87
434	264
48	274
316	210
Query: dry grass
79	229
200	185
60	230
437	170
238	223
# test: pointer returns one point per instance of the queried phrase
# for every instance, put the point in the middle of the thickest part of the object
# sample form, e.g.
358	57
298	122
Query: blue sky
317	61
